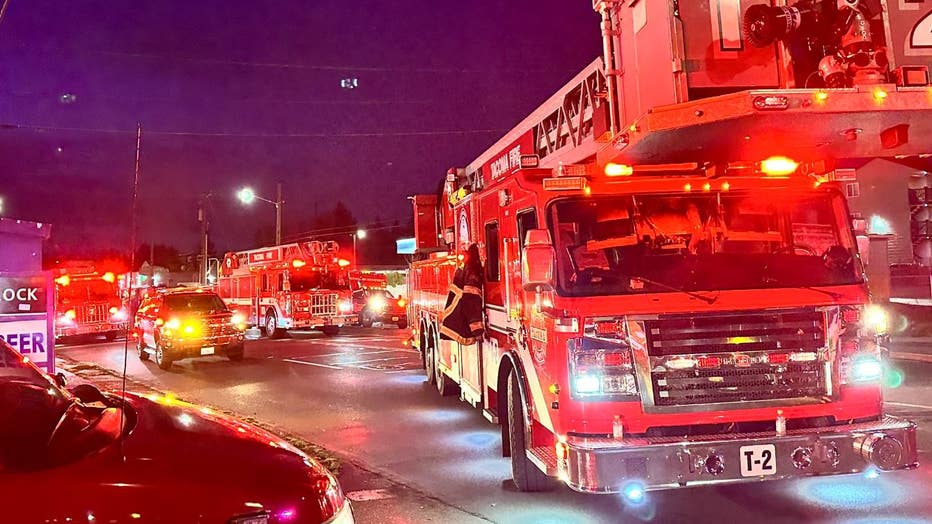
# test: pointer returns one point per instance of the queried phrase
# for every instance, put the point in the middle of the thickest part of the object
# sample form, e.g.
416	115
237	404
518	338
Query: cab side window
492	272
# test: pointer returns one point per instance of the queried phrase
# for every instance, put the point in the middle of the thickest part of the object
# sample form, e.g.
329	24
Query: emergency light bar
565	183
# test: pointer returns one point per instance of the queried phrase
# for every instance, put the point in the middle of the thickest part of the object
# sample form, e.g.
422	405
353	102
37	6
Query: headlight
173	323
118	314
875	320
601	371
866	368
377	302
239	321
346	306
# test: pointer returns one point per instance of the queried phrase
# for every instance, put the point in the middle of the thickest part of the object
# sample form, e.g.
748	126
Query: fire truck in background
673	293
87	302
300	285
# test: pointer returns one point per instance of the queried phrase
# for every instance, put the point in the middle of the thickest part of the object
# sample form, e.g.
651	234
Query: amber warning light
778	166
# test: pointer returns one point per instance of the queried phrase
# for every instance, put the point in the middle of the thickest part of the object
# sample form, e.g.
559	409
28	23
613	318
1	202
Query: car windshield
94	289
653	243
308	280
194	303
30	406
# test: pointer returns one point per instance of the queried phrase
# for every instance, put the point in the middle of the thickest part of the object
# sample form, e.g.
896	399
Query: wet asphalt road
431	459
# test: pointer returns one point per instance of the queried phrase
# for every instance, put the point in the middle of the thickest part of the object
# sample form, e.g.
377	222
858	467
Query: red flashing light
402	302
778	358
343	262
63	280
778	166
606	327
71	314
709	362
616	359
296	263
109	277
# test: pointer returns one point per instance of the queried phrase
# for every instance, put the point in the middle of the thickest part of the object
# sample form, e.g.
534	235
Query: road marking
901	355
310	363
369	494
906	405
353	363
356	354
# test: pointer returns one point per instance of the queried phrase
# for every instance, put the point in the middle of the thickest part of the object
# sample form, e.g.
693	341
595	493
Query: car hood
183	463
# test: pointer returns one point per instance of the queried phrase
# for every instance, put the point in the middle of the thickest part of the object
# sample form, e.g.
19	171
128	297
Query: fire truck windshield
195	302
701	242
310	280
94	289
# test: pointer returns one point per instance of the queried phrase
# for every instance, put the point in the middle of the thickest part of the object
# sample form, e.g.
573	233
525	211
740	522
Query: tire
271	325
141	349
365	319
236	353
430	369
445	385
525	475
403	323
331	331
164	361
110	336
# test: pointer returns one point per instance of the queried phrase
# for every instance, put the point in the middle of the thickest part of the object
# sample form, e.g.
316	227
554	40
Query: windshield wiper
694	294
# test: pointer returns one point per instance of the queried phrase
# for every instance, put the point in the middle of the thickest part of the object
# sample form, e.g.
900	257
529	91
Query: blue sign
405	246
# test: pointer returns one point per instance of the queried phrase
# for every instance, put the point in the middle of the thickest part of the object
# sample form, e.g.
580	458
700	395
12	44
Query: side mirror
537	260
60	379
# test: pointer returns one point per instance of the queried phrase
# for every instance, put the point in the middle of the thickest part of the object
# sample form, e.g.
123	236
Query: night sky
233	93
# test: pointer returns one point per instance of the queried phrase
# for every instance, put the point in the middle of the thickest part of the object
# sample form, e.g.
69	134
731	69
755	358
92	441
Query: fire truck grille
753	354
94	314
324	305
780	330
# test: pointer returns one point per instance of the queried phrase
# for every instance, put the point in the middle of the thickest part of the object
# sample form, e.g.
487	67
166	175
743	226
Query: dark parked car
86	456
379	305
183	323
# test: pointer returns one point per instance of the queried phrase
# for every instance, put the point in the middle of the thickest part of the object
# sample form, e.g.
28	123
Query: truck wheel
110	336
445	385
141	348
236	352
427	347
331	331
524	473
403	323
163	360
271	325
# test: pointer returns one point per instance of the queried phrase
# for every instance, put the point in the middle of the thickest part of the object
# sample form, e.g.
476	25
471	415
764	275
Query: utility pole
202	217
278	214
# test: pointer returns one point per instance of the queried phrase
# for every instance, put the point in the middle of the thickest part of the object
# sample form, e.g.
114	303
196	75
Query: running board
545	458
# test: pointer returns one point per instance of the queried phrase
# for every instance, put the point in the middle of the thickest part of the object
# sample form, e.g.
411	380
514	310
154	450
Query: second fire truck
87	302
673	293
303	285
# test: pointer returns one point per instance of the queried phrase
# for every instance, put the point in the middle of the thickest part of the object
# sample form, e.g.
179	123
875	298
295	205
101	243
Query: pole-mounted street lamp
358	234
247	196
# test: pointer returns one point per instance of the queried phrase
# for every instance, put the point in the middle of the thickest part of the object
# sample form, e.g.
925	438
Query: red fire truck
300	285
673	294
87	302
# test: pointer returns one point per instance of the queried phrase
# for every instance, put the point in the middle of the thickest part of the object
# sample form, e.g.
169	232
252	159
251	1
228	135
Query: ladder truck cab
87	301
673	294
292	286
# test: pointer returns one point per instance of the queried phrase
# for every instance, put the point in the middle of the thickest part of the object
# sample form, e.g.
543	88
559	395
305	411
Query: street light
247	196
360	234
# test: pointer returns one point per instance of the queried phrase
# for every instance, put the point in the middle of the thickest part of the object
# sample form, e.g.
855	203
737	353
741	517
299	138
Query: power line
321	67
372	134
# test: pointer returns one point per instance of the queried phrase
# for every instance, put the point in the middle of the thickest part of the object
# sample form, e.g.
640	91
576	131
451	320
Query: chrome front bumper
603	465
